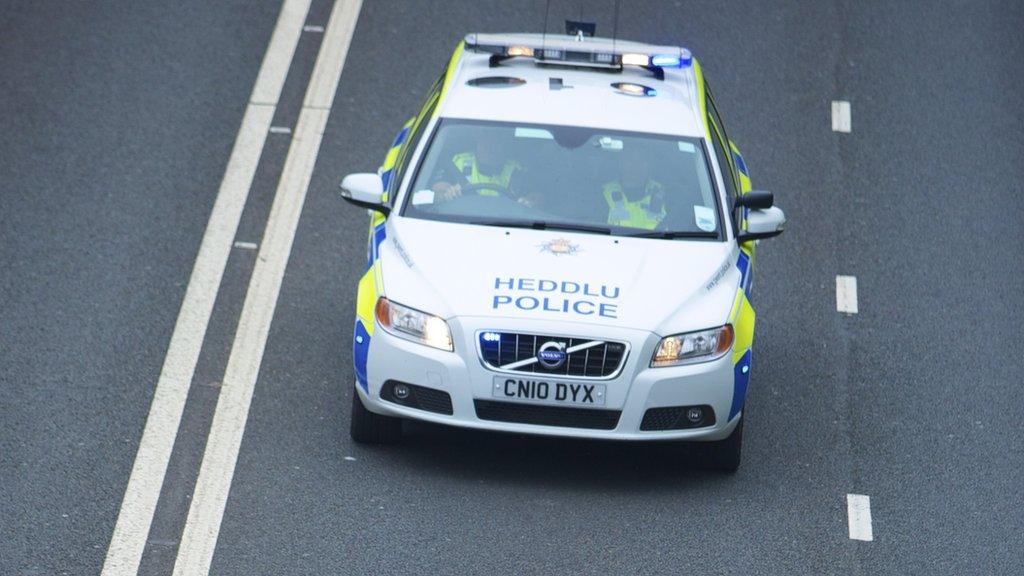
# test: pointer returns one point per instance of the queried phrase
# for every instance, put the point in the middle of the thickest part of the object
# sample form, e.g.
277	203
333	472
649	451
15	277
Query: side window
722	148
718	143
422	119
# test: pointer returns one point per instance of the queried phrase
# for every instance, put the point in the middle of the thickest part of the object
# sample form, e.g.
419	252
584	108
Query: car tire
370	428
724	455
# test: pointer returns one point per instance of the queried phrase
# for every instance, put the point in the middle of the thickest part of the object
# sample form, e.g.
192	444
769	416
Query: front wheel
370	428
724	455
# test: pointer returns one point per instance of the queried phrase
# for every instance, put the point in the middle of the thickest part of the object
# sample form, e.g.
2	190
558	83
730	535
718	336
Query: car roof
585	98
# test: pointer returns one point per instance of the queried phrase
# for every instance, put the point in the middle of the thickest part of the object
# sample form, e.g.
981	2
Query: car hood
456	270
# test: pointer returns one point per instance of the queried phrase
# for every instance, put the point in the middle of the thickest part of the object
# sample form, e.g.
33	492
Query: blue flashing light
490	337
668	61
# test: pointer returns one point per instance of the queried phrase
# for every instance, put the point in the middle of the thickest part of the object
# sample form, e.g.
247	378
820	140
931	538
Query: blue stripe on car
740	164
743	264
379	234
360	348
741	376
400	137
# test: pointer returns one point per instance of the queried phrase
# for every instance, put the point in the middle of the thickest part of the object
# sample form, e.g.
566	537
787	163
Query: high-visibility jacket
466	164
646	212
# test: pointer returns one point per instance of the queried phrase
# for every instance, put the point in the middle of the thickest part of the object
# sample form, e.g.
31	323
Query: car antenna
544	30
615	25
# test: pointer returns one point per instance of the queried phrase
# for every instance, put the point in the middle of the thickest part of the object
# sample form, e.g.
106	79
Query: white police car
561	243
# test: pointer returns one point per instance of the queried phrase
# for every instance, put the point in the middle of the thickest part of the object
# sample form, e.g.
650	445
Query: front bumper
633	391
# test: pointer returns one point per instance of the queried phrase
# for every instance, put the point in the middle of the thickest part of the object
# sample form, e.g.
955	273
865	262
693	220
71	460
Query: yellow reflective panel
750	249
389	160
450	75
366	299
744	178
745	186
698	74
743	325
392	155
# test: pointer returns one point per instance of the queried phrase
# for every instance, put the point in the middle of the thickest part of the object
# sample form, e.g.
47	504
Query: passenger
635	200
483	171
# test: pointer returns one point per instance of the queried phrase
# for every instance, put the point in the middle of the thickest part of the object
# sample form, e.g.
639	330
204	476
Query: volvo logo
551	354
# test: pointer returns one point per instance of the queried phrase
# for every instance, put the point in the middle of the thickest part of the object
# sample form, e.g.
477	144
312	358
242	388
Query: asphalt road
119	120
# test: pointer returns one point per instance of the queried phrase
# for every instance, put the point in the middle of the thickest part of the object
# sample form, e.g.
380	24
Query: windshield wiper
543	225
669	234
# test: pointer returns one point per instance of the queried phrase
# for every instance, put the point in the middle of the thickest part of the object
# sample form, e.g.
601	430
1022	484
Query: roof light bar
579	51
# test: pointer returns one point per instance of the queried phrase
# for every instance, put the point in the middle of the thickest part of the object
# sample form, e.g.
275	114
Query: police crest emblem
560	247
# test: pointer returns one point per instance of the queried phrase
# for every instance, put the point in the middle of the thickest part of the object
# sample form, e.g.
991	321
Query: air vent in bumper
678	418
419	397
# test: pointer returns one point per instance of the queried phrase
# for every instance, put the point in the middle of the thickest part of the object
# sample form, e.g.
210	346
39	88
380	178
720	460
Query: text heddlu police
559	296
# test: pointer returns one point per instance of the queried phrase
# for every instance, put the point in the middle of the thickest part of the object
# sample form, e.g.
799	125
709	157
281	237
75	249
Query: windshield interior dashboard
575	178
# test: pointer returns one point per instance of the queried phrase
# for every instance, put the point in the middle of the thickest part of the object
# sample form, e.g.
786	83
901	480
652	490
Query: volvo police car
561	242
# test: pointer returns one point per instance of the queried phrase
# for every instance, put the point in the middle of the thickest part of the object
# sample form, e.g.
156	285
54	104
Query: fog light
694	414
401	391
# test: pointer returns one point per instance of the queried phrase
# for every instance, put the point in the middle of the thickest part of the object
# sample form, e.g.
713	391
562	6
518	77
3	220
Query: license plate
541	391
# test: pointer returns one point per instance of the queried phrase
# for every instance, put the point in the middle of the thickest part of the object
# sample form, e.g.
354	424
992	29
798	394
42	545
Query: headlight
693	347
414	325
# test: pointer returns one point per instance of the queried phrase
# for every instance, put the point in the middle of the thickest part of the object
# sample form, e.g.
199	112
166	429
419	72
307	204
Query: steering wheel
503	190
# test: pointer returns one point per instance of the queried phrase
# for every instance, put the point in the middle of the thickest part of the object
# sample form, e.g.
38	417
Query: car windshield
565	177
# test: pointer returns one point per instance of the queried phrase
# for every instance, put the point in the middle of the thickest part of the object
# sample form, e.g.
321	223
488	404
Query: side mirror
763	223
756	200
365	191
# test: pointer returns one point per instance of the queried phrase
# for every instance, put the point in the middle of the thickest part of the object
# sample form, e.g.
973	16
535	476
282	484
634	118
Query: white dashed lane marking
841	116
846	294
150	466
202	527
246	245
280	130
858	511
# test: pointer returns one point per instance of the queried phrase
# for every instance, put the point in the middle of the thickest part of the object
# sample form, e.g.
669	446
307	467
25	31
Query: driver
634	199
483	171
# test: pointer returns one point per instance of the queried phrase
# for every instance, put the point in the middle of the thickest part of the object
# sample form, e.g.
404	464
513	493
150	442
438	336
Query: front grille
419	397
501	349
676	418
547	415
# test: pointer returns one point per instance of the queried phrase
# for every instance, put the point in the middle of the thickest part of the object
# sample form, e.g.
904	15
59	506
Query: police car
561	242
